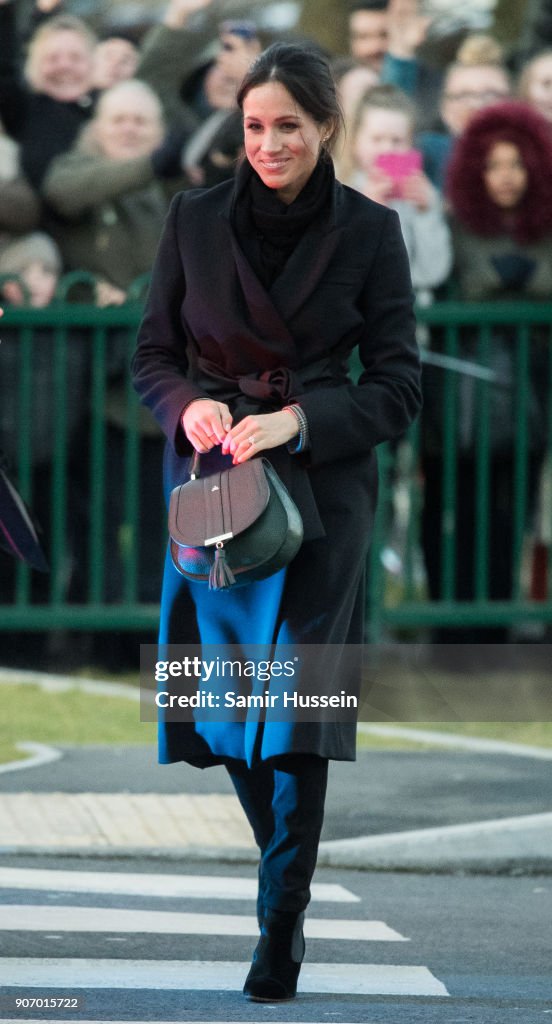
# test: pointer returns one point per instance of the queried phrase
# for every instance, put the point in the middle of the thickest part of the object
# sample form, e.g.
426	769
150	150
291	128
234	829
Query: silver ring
251	440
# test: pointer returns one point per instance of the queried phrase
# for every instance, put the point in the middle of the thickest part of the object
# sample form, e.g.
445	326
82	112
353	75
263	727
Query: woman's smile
273	165
282	141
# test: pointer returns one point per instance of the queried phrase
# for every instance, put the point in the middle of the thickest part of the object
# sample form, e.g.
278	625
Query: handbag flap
219	506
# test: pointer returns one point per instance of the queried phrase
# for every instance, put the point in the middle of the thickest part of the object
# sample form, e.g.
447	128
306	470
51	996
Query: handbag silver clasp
217	540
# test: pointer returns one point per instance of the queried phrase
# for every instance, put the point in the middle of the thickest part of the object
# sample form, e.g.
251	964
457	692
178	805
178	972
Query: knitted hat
34	248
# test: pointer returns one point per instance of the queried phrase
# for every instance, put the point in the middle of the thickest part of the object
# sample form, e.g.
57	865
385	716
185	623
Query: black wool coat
211	329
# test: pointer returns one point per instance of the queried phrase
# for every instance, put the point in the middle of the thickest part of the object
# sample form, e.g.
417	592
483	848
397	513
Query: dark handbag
234	526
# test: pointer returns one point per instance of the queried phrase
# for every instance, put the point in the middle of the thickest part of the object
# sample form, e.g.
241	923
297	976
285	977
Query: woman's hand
256	433
407	28
206	423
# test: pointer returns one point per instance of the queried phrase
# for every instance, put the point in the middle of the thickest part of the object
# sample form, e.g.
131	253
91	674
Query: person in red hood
498	190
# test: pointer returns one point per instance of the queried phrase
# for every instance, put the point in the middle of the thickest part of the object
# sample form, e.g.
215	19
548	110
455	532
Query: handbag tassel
221	575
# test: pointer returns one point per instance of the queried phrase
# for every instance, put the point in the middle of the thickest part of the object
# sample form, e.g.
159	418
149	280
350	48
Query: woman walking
261	289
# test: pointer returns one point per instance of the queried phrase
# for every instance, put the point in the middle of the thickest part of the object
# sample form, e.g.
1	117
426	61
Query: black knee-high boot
285	806
278	957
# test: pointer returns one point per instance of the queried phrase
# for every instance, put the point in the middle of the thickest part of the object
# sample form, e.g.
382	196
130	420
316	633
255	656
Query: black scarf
267	229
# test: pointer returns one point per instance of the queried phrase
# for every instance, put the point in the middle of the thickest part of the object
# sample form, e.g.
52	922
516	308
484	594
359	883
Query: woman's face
282	141
63	66
380	131
128	125
505	175
539	85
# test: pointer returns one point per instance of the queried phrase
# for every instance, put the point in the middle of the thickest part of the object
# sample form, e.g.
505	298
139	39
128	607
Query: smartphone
399	166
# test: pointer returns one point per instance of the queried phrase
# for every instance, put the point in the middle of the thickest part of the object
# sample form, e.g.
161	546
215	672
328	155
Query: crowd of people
97	135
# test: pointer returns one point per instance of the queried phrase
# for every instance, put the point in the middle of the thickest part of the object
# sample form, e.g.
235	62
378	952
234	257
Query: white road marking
39	753
32	918
524	823
214	887
215	976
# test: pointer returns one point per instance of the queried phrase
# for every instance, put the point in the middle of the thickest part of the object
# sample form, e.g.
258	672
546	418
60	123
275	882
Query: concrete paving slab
97	822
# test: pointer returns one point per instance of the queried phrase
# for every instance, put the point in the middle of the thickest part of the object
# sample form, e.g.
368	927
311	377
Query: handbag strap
195	465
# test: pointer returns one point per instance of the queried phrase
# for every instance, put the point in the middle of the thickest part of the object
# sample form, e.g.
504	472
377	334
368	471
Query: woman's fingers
254	434
200	440
247	447
206	423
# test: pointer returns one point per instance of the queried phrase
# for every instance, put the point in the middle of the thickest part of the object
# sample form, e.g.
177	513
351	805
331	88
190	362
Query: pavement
464	806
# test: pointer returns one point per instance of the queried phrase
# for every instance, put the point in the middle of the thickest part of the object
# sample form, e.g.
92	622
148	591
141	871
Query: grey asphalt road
487	940
383	791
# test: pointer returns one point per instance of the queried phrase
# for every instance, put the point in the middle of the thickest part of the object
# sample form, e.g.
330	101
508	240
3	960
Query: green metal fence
78	435
503	353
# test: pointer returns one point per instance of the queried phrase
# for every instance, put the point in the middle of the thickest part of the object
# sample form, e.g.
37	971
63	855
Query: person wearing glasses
467	88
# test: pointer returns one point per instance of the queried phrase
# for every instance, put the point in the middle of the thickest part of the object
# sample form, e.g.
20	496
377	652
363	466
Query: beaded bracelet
299	444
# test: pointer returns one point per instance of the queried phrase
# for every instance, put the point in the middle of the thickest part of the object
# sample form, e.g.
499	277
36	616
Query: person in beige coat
108	194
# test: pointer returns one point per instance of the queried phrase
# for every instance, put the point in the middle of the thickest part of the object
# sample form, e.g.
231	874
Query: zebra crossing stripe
215	976
32	918
219	887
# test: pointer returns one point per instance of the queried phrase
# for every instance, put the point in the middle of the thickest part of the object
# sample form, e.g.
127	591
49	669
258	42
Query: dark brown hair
306	74
526	129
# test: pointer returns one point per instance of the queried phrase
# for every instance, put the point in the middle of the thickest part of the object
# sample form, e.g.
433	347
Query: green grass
105	675
534	734
30	713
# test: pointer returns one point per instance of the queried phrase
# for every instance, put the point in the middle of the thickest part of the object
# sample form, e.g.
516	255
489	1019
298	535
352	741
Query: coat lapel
271	311
263	314
304	269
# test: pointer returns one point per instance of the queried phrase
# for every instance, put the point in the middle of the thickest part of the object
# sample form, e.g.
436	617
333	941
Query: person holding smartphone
380	162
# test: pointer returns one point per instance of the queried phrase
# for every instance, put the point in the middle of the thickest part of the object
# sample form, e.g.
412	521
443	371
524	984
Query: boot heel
277	959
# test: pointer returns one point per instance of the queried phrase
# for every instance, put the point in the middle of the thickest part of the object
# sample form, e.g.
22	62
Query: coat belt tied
268	391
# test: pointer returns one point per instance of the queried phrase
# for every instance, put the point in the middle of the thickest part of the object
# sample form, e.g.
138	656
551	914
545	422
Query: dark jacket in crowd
170	62
44	127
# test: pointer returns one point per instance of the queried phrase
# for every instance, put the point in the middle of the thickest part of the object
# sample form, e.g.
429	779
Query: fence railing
464	526
464	517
